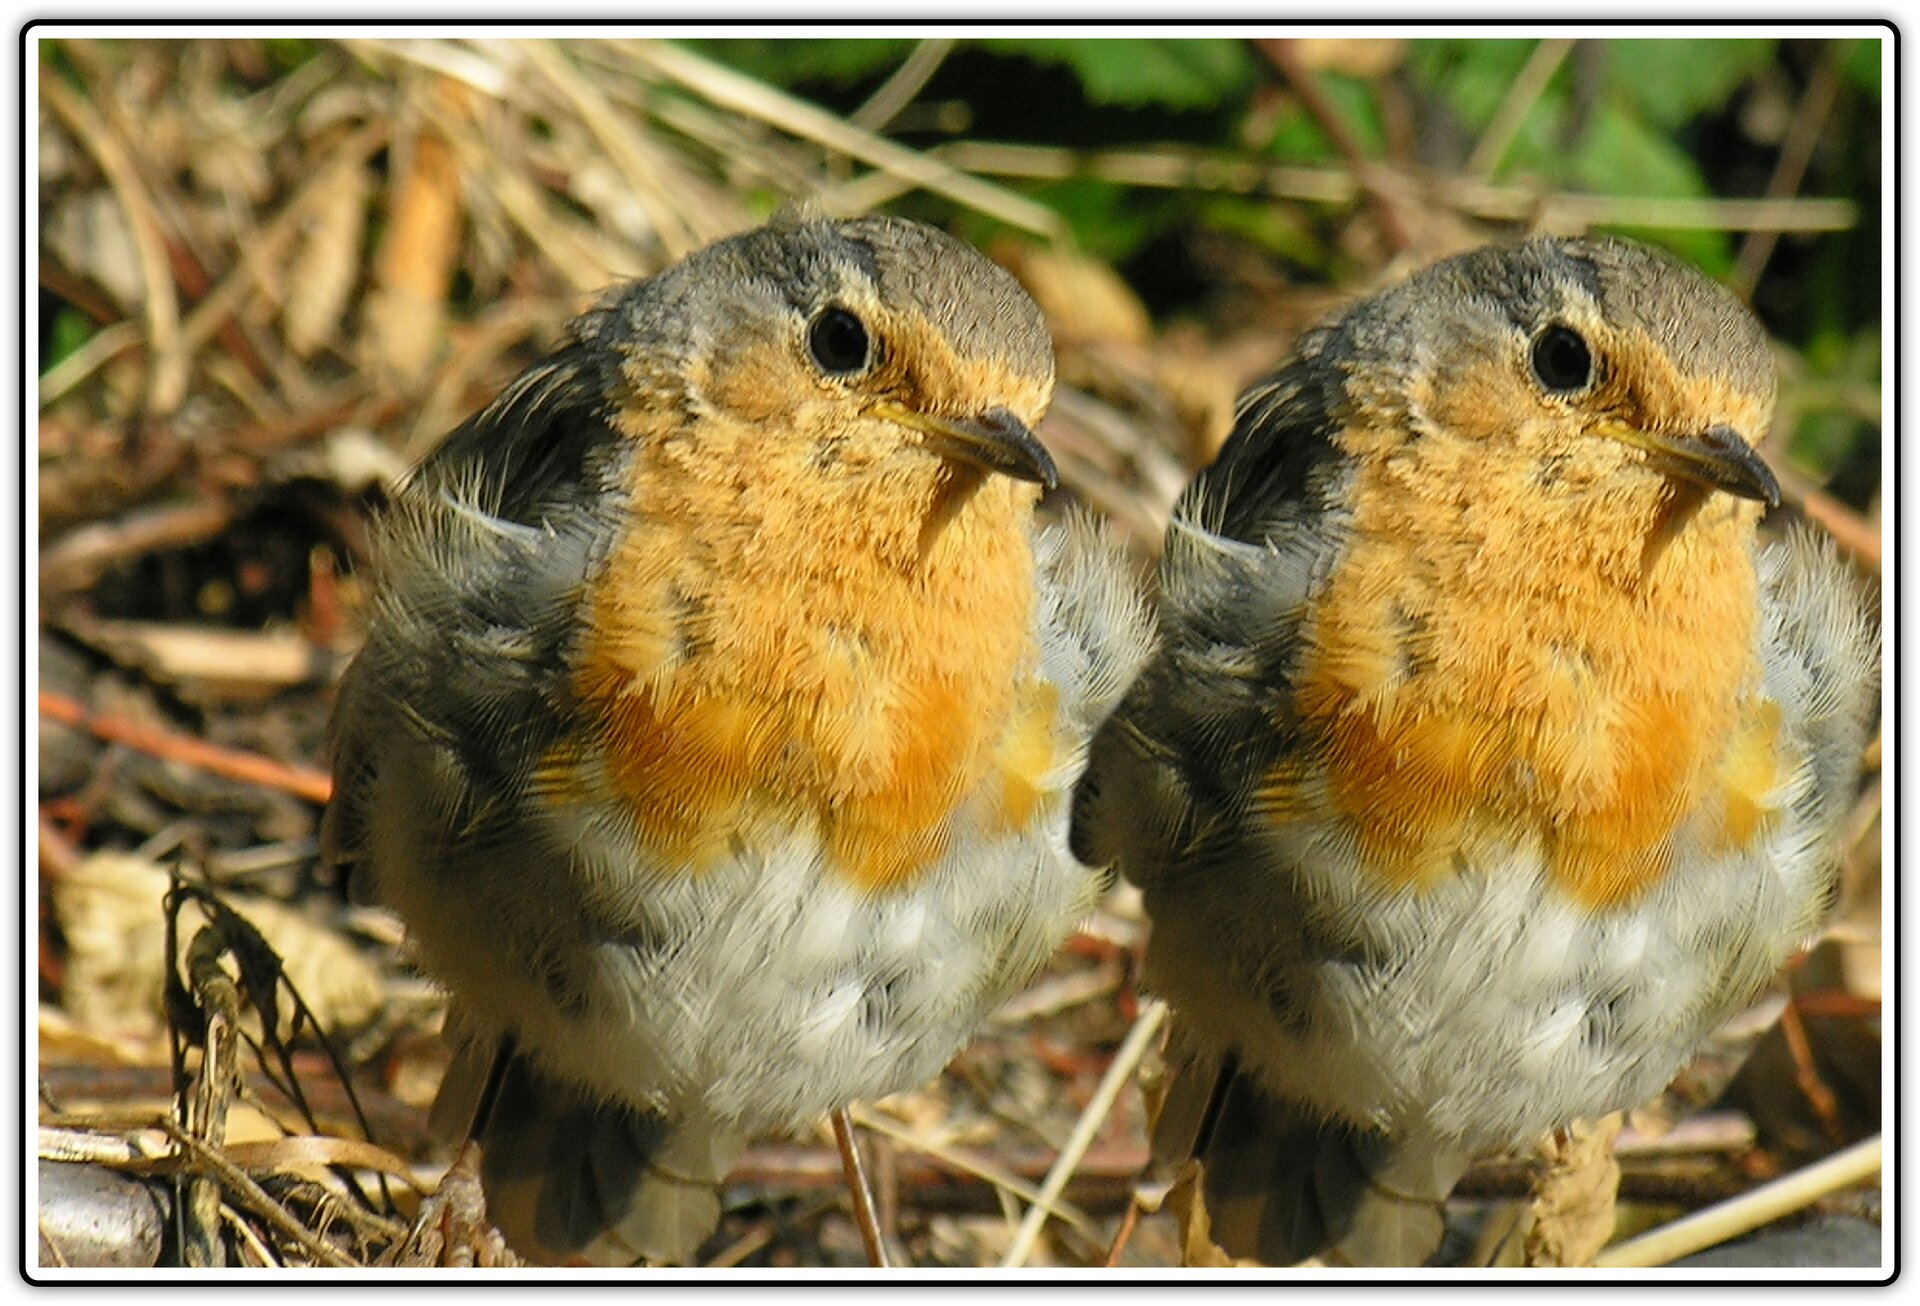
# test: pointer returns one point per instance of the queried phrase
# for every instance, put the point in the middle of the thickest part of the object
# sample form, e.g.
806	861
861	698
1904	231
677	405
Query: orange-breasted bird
1488	760
718	714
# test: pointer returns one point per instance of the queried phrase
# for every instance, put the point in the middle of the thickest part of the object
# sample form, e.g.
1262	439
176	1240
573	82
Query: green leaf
1354	102
1280	229
1471	76
1673	81
1824	439
1109	220
1296	136
1860	62
1619	154
789	63
1173	74
1622	155
71	329
284	54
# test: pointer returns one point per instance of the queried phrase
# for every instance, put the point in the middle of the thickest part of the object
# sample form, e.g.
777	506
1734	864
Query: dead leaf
1203	389
405	313
326	267
89	234
109	909
213	662
1083	298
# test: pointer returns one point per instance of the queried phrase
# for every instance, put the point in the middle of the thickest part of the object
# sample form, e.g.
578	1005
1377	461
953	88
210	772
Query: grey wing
1094	627
1820	647
481	565
1251	538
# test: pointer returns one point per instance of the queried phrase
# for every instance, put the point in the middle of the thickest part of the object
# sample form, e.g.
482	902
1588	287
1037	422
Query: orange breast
815	679
1473	688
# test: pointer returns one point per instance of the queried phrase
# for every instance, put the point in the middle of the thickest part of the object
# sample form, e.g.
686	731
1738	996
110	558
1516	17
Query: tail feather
569	1177
1283	1184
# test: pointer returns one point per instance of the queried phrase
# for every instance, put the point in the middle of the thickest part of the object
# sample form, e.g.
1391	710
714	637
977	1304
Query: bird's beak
996	441
1716	458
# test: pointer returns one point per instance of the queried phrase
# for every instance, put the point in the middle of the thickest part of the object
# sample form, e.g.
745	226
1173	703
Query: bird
1488	759
716	722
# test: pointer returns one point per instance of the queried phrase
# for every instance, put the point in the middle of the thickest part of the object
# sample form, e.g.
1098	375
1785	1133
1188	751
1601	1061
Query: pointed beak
996	441
1716	458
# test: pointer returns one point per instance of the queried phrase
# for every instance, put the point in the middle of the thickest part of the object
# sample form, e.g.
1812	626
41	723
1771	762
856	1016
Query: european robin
1488	760
718	712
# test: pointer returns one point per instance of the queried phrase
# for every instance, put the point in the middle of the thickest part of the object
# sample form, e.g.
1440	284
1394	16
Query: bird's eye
838	341
1561	360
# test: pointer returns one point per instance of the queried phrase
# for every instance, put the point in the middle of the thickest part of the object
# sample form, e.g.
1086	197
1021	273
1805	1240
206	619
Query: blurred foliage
1188	74
1669	119
841	62
1172	74
69	331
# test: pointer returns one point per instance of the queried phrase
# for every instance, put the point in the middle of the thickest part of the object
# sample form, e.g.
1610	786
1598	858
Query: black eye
838	341
1561	360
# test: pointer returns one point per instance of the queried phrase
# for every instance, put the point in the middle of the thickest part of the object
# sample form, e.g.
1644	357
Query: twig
907	81
860	1190
1796	151
265	250
1528	86
254	1250
721	134
1806	1074
1129	1221
1059	993
137	1151
746	1245
257	1199
348	402
1707	1131
58	855
191	278
1747	1212
1853	532
205	1105
789	167
463	65
78	291
100	348
228	763
567	250
77	559
168	347
965	1163
1365	171
318	1151
617	138
742	94
1862	823
240	663
1189	169
1118	1073
1509	1180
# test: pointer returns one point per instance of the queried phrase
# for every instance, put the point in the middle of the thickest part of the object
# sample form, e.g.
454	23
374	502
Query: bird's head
871	349
1596	364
